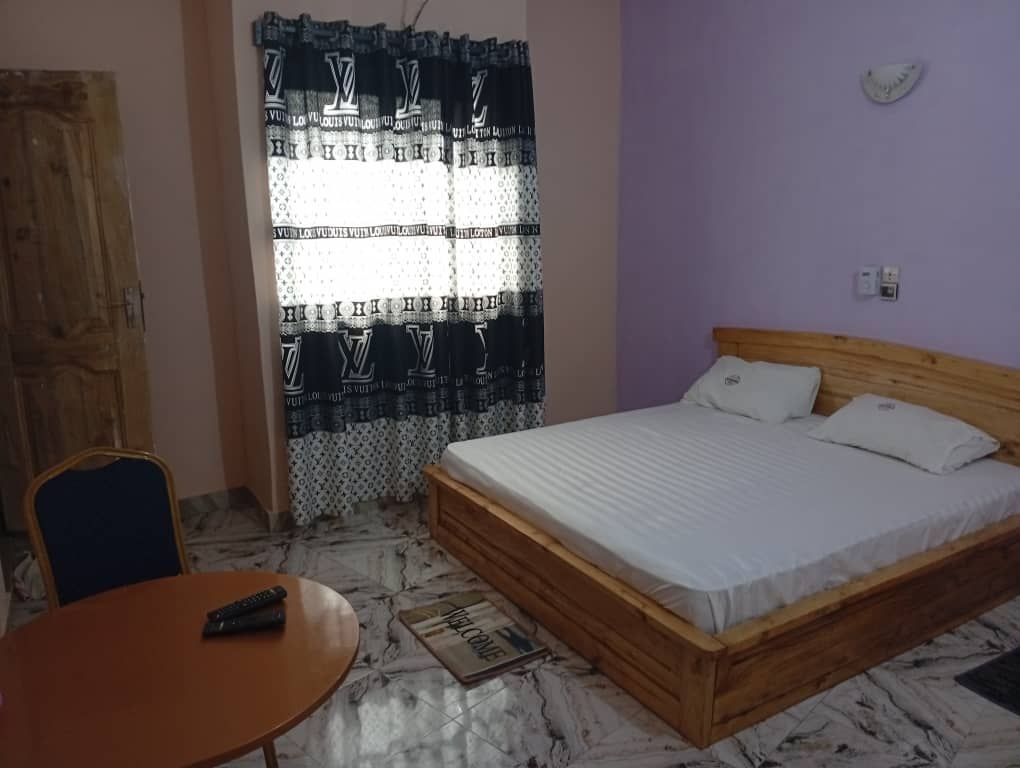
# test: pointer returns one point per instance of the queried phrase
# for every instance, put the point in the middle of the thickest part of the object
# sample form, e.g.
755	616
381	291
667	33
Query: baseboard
232	498
278	521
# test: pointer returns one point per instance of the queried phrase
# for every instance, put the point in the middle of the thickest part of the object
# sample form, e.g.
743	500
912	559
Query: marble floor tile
399	563
879	719
550	712
647	742
207	522
370	600
257	760
644	741
432	683
380	560
265	554
380	639
296	558
993	741
408	518
24	611
293	557
443	585
366	723
646	760
751	747
452	746
425	562
287	752
371	520
323	566
1006	618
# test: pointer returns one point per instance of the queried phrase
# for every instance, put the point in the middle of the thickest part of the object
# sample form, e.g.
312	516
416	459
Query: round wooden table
126	679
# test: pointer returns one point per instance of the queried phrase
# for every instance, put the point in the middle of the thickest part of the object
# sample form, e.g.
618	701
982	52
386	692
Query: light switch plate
867	281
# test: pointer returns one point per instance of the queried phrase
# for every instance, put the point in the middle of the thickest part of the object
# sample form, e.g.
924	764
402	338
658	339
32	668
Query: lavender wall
755	177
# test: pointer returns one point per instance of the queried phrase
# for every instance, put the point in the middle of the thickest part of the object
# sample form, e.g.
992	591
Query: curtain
405	219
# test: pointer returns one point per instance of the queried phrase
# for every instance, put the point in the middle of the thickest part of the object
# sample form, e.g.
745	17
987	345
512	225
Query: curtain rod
305	24
274	19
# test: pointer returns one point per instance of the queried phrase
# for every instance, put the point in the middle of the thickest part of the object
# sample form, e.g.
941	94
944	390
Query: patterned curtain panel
406	235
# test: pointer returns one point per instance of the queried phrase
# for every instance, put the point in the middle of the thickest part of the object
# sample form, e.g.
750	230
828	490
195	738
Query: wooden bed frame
710	686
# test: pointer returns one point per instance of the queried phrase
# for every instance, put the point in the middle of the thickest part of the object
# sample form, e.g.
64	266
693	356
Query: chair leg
269	753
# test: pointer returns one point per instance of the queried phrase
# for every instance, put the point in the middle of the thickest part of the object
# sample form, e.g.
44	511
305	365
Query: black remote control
248	604
253	622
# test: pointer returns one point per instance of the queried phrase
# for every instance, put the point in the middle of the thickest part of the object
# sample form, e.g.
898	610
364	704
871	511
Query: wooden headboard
982	394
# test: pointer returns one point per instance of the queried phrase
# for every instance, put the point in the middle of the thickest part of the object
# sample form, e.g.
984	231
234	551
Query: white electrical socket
890	274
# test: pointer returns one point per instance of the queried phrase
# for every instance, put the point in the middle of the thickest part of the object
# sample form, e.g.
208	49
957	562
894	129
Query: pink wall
251	270
196	420
755	178
575	59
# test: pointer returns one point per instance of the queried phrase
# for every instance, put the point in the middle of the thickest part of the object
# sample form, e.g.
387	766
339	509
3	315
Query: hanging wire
418	14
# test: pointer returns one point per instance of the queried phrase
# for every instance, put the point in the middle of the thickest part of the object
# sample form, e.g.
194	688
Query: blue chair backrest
107	527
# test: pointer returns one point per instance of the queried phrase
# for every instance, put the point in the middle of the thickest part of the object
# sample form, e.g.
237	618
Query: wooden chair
95	528
98	527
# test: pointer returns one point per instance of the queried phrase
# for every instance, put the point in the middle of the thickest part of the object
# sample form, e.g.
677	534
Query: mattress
721	518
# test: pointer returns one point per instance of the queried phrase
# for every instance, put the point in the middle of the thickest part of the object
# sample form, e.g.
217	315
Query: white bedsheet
720	518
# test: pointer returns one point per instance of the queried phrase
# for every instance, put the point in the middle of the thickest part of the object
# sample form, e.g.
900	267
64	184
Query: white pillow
765	391
913	433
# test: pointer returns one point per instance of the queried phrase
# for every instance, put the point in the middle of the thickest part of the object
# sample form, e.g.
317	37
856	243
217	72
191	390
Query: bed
725	620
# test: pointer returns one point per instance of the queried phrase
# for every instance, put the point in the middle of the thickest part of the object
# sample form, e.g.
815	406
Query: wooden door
72	358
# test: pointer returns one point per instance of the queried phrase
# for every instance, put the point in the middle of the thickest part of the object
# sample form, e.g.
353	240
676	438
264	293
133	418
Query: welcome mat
997	680
470	636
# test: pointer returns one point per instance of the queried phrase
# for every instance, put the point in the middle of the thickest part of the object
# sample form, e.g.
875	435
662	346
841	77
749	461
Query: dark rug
997	680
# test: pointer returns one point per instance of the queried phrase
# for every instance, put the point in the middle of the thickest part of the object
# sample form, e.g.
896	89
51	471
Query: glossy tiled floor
400	708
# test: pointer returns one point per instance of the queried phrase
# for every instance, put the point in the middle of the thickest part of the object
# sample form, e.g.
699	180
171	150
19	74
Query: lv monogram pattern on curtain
406	237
